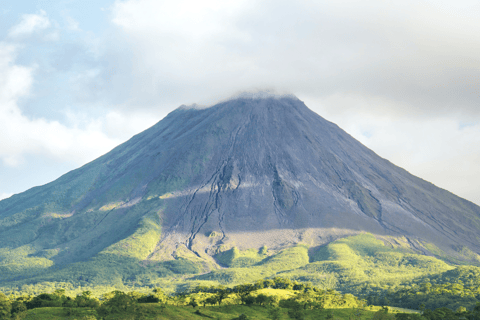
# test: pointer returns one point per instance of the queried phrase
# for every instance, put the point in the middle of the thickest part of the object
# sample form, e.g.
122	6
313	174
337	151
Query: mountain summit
247	172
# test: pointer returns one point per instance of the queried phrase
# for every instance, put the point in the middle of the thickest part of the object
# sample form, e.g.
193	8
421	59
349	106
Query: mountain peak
256	169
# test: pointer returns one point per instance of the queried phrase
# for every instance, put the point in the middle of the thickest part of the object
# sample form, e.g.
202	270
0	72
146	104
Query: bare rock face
273	164
246	172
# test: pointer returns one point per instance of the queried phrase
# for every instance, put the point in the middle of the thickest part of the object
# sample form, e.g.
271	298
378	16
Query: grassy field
155	311
59	313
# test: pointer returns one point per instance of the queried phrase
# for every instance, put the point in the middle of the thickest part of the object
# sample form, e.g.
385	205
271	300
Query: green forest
277	298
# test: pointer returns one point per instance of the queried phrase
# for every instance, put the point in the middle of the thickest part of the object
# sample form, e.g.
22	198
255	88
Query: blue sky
79	77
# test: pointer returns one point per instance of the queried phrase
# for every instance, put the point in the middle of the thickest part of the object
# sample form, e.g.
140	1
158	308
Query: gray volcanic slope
241	167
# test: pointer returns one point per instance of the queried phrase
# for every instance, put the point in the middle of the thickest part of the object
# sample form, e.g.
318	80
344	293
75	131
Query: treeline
294	299
297	299
427	295
308	296
457	288
15	308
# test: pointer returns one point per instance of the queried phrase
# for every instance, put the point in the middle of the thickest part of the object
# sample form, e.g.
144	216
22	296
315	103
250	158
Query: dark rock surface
252	170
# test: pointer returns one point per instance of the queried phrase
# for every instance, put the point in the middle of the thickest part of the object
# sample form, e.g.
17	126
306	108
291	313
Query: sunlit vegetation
141	243
265	299
362	266
254	266
110	206
235	258
454	289
276	298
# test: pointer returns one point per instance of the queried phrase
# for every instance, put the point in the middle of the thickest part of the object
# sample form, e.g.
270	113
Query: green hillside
381	271
346	264
353	264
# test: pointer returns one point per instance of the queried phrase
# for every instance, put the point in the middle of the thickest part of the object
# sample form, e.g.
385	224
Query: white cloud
22	135
423	53
438	149
178	49
72	24
117	125
191	19
124	125
5	195
30	23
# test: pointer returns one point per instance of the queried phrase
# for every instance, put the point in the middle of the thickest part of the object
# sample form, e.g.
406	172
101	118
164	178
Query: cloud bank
401	77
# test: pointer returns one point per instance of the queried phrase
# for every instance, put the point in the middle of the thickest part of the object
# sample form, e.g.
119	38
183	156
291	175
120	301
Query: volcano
247	172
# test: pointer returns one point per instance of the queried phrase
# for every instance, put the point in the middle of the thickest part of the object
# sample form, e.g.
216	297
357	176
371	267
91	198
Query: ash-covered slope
276	164
246	172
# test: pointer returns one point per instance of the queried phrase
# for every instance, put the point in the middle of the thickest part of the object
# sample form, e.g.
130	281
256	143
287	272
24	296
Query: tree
271	301
281	283
243	292
211	300
421	307
221	295
299	286
477	308
181	299
443	313
308	299
86	301
44	300
461	309
426	286
60	292
5	307
18	306
261	299
249	300
120	303
295	308
69	303
148	299
268	283
160	295
274	313
384	301
383	314
297	312
193	303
